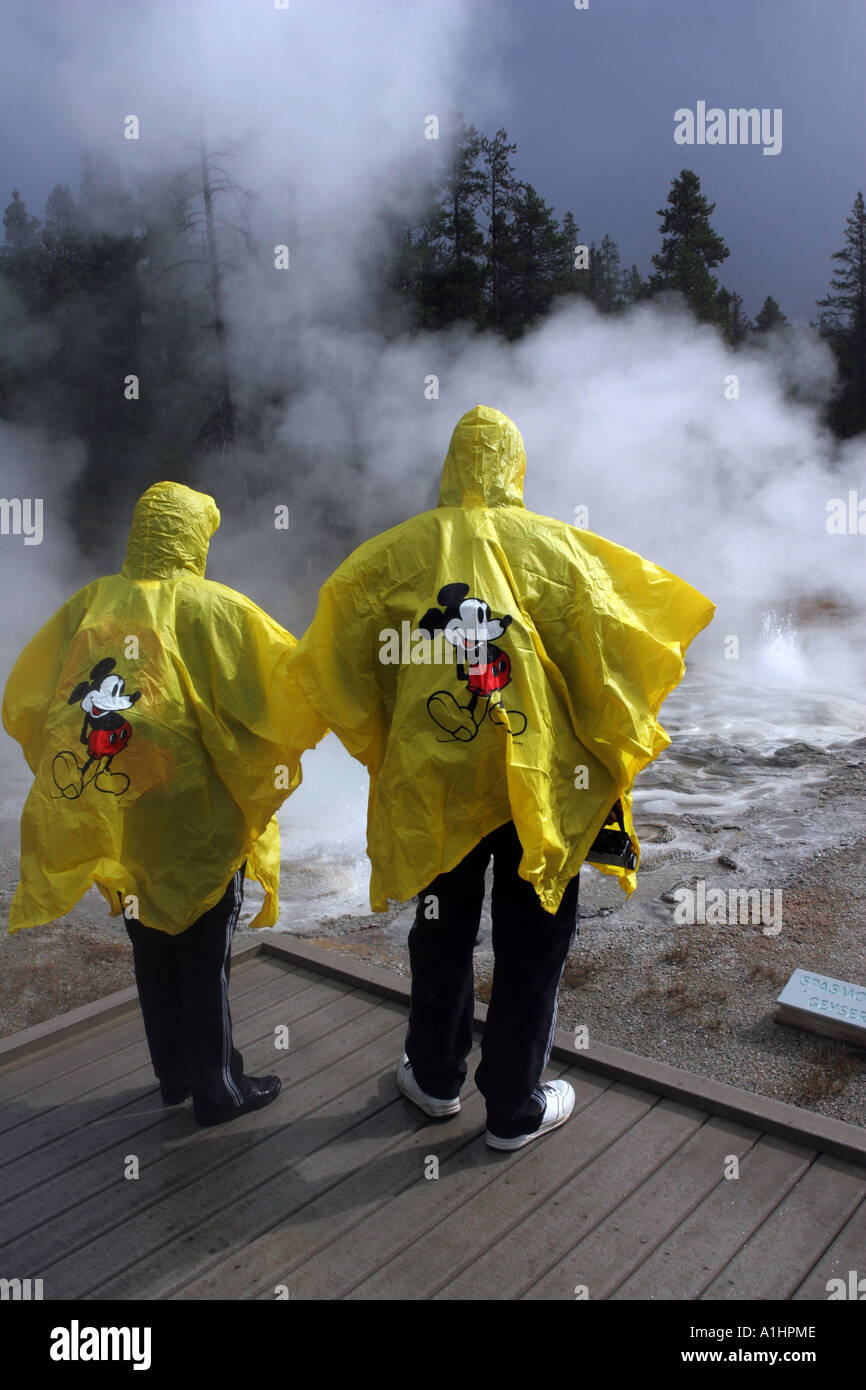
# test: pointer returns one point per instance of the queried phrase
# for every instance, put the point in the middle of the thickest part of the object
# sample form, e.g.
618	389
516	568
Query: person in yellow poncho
151	711
499	674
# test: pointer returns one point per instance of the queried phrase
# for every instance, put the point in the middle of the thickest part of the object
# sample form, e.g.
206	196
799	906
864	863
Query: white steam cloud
324	108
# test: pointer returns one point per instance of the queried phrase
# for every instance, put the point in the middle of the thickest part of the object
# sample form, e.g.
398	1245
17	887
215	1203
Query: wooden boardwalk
325	1194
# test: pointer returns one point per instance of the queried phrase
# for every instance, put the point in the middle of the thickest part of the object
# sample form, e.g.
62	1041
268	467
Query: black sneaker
258	1092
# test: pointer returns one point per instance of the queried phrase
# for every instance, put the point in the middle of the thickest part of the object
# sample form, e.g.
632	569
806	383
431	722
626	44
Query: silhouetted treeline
110	284
489	250
114	297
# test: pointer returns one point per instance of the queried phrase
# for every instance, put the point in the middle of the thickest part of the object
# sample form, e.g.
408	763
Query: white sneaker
559	1097
431	1105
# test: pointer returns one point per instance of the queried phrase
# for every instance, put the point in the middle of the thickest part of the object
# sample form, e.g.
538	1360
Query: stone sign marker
836	1008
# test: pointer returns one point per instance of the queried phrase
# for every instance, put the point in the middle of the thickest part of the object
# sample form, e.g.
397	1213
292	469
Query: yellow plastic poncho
546	722
152	712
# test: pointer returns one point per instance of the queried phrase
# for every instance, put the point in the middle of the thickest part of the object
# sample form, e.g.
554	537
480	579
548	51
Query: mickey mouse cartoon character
104	733
468	625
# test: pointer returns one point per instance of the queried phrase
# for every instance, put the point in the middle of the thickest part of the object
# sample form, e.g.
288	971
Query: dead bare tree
214	240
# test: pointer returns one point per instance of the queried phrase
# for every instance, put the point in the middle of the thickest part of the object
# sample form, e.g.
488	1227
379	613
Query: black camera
612	845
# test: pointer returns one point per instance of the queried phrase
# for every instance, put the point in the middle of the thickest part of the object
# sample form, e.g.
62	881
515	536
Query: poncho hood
170	534
485	463
154	713
488	664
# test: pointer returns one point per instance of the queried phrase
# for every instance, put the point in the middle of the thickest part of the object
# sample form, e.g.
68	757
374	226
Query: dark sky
589	98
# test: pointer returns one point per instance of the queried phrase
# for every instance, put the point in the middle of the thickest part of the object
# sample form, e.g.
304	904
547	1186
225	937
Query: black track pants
183	984
530	947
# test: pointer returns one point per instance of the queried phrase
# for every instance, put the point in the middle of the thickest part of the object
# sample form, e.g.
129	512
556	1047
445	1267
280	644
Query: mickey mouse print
467	624
105	732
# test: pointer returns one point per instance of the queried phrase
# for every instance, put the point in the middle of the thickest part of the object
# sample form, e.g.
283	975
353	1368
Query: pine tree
63	242
608	277
571	280
770	316
632	287
690	248
500	192
530	262
723	311
739	325
21	256
843	323
64	223
452	242
401	271
20	227
605	277
85	289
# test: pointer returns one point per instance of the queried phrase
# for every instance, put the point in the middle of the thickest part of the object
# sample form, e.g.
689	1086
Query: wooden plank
822	1132
340	966
59	1031
323	1113
69	1134
484	1202
694	1253
614	1183
847	1141
214	1169
128	1037
413	1212
67	1055
102	1088
541	1240
846	1256
55	1035
373	1207
341	1208
104	1147
79	1166
337	1122
527	1197
326	1195
635	1226
813	1131
773	1261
